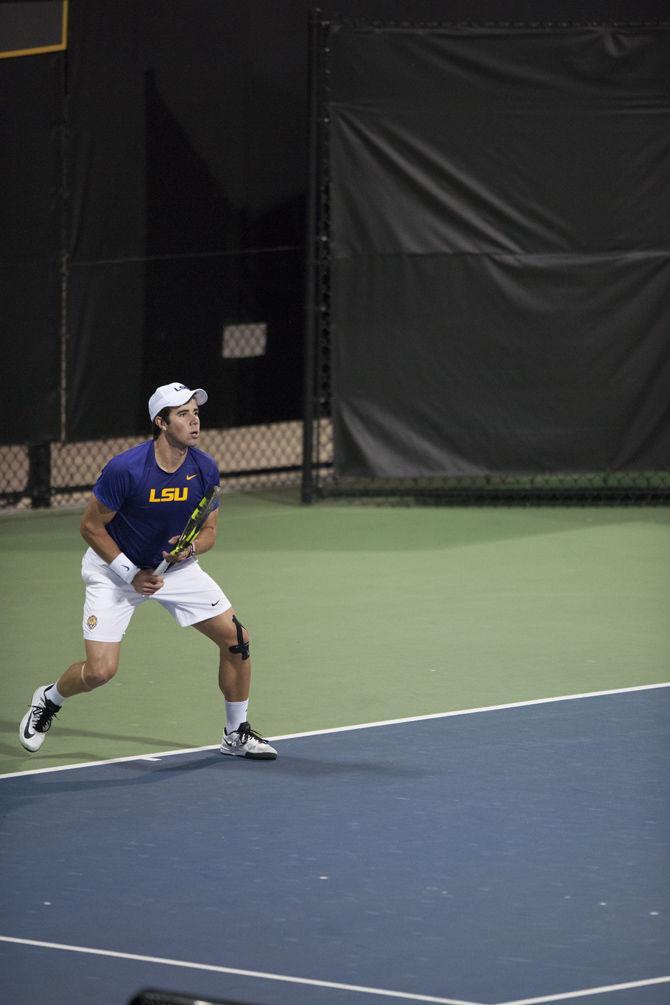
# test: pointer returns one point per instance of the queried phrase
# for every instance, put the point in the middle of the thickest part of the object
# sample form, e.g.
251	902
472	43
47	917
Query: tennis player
138	508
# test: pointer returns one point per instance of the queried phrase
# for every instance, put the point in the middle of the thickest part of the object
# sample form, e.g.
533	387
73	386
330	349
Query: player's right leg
100	665
109	605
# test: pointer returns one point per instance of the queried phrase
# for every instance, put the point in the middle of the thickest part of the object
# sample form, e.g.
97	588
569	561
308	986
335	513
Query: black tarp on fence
498	225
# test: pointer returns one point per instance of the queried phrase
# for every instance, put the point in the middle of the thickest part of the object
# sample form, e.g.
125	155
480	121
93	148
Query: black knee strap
242	647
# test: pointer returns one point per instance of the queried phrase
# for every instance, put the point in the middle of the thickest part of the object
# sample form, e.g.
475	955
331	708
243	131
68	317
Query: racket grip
160	569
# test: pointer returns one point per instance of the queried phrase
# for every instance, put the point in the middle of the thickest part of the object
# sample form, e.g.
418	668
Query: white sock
236	714
54	695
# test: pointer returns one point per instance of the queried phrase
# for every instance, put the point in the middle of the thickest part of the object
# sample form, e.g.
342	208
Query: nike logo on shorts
215	602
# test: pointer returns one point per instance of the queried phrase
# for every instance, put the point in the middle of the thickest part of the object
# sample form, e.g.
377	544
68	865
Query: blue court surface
517	854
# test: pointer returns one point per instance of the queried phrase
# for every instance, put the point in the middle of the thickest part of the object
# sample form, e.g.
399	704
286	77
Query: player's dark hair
164	414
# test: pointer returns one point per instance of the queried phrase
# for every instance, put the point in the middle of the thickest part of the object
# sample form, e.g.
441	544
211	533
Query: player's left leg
232	639
234	660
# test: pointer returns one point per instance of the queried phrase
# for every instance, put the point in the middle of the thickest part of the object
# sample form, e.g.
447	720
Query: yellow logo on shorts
169	495
91	621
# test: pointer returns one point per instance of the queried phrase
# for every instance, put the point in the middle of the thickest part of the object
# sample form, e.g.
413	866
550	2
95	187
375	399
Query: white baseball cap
173	395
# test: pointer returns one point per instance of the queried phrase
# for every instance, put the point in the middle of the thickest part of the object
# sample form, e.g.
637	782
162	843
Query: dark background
500	250
154	179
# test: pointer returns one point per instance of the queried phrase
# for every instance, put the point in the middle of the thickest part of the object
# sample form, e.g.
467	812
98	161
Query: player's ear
161	422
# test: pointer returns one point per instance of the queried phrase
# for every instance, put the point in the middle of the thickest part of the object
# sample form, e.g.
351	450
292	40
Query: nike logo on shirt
188	477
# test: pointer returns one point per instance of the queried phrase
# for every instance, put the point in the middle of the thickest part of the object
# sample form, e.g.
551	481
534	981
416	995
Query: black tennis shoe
244	742
37	721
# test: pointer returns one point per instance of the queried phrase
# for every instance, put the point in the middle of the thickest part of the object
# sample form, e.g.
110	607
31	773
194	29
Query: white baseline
542	1000
344	729
284	978
330	985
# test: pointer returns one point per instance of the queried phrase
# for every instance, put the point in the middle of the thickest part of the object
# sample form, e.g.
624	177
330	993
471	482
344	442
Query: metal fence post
311	254
39	475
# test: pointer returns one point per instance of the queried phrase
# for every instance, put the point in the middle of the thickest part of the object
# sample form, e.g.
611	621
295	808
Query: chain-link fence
291	453
321	480
62	474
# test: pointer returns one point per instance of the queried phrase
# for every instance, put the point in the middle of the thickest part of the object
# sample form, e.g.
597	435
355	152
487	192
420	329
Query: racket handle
160	569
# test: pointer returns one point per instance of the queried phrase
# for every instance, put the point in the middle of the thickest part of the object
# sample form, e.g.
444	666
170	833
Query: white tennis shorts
189	594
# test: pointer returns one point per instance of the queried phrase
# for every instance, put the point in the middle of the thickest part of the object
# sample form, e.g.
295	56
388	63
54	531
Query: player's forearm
205	540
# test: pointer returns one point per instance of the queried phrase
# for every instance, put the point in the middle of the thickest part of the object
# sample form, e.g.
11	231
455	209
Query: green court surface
357	613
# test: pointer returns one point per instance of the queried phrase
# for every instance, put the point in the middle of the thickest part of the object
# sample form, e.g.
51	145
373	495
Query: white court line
474	711
344	729
543	1000
330	985
585	992
283	978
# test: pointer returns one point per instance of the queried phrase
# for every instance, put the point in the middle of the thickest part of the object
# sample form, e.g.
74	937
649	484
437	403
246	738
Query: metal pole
64	241
311	256
39	474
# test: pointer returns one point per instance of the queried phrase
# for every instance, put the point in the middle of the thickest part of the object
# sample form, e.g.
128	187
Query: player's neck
169	456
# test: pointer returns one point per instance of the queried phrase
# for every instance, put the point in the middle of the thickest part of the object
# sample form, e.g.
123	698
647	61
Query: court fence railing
258	458
301	453
250	458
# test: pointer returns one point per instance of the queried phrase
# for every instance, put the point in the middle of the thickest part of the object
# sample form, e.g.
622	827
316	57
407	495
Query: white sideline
567	996
344	729
407	996
330	985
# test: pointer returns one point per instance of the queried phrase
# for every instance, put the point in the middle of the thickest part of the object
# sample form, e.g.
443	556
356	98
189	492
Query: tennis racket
193	526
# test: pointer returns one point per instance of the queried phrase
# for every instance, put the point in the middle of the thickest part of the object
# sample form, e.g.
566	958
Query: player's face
183	427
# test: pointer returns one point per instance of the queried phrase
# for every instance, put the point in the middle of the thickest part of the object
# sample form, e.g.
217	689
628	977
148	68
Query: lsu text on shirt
152	505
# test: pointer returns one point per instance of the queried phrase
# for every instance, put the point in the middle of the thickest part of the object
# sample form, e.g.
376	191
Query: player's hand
181	556
147	583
